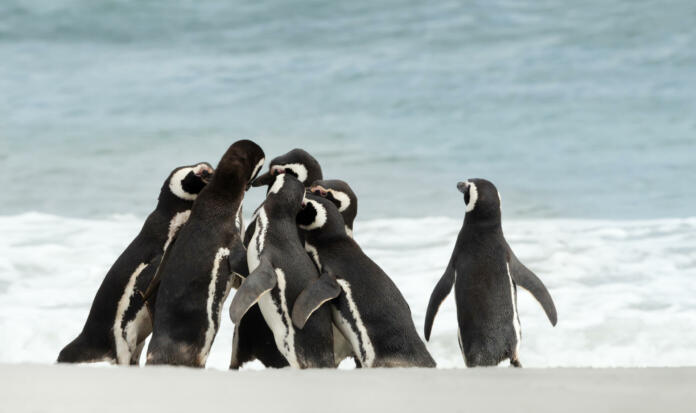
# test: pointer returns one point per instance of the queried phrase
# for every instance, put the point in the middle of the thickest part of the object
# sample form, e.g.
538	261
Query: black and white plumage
279	271
485	273
253	339
198	271
367	307
119	321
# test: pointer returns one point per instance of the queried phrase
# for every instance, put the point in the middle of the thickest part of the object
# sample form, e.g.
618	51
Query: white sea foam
625	290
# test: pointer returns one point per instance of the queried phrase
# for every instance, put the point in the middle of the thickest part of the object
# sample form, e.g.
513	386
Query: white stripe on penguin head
176	187
299	169
473	196
277	184
341	197
319	220
257	168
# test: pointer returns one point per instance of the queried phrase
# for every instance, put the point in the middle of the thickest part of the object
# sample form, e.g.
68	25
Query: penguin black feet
515	363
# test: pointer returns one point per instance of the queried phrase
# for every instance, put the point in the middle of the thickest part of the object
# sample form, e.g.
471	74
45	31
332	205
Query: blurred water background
583	114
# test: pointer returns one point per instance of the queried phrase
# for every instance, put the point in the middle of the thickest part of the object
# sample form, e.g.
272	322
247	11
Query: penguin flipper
259	282
526	279
441	291
238	263
320	291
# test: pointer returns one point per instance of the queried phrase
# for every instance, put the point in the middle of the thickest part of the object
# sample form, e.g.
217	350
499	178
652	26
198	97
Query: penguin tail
81	350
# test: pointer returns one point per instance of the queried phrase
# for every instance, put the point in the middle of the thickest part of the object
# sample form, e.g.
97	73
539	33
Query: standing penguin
253	339
118	321
486	273
341	194
366	305
279	270
198	271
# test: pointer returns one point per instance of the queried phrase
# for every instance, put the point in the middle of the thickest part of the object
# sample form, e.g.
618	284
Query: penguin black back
485	273
198	271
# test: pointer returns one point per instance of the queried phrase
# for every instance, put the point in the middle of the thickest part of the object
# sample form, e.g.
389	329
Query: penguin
279	270
253	339
118	321
367	307
486	273
197	273
341	194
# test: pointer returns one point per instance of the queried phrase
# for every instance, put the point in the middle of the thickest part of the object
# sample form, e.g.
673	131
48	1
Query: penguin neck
226	184
492	221
279	214
326	235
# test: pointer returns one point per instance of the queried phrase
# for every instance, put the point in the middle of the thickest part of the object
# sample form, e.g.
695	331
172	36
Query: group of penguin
307	296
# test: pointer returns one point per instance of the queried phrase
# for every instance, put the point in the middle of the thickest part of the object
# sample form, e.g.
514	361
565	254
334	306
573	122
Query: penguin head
285	196
297	162
341	194
481	198
186	182
241	162
320	216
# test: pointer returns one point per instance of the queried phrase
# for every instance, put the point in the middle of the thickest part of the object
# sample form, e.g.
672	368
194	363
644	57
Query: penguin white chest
274	308
355	332
257	240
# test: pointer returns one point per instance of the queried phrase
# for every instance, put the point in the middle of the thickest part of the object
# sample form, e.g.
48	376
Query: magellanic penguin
341	194
196	274
279	270
253	339
366	305
486	274
118	321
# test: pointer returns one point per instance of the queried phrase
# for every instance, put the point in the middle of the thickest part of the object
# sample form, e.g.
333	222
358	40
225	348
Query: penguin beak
463	187
318	190
263	180
205	173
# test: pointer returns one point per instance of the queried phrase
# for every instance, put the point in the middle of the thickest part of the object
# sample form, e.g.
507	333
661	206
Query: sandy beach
44	388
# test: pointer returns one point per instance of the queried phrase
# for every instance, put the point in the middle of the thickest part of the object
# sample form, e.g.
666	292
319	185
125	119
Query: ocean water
625	290
583	115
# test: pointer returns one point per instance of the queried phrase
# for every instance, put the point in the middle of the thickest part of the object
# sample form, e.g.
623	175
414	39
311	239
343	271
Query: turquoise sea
582	113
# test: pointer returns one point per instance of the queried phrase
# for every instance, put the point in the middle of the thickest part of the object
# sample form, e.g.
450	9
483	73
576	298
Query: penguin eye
317	192
291	172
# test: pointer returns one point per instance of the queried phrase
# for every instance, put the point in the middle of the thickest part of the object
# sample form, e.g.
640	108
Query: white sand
43	388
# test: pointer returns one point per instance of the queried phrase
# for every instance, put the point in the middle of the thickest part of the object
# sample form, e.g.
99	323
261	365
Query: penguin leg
135	357
235	362
515	362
